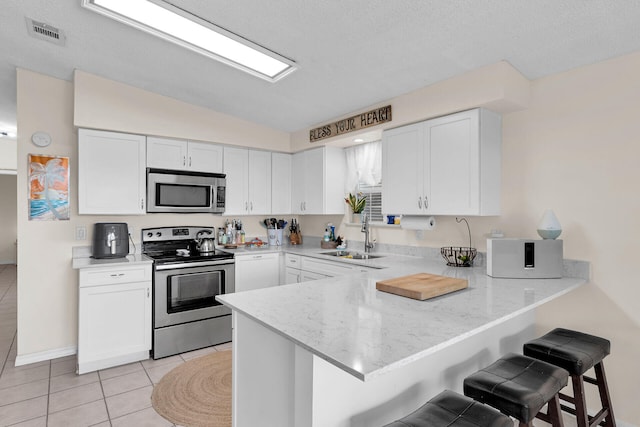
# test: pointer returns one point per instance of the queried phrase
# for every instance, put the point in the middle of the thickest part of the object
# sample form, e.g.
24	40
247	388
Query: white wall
47	297
8	150
8	229
498	87
104	104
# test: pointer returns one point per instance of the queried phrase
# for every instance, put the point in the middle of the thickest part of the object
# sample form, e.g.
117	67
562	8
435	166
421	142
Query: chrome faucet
365	229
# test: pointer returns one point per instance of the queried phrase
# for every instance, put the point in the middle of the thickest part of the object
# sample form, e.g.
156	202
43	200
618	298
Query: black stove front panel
178	244
194	256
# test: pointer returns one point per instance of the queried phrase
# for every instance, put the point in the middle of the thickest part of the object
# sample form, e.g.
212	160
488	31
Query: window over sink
364	175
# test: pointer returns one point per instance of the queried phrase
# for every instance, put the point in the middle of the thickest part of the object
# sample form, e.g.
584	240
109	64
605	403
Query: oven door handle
192	264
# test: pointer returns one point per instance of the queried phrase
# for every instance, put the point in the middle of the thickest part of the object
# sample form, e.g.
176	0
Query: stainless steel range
186	315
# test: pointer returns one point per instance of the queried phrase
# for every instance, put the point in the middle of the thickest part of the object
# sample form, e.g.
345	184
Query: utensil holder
274	236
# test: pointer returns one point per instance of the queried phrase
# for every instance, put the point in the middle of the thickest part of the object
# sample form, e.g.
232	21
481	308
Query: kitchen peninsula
337	352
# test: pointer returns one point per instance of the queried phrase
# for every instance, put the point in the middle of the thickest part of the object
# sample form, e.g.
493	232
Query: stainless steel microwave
185	192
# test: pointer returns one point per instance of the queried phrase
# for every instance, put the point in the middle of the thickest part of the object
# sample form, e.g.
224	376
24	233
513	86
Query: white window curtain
364	165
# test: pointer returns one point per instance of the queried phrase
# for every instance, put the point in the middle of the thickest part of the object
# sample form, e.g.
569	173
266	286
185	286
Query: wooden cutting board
421	286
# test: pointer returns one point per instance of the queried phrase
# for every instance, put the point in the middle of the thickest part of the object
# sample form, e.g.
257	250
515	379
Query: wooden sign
351	124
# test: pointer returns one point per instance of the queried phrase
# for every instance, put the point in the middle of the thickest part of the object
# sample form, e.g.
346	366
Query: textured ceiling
351	53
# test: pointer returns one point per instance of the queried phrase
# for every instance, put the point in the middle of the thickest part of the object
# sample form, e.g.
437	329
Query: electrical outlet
81	232
132	231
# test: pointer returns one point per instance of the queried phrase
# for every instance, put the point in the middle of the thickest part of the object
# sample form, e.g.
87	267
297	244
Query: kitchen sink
351	255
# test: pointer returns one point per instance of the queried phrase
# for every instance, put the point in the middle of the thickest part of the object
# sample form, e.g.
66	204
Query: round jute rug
197	393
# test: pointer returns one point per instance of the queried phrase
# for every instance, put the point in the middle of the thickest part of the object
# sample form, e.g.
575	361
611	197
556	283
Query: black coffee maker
110	240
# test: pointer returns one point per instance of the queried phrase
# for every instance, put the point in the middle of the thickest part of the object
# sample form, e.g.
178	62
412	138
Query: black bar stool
520	386
453	410
577	353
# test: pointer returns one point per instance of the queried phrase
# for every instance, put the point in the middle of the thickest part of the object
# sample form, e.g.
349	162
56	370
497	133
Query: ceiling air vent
46	32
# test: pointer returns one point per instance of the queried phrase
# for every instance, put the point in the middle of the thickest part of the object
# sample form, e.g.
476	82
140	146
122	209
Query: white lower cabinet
114	316
300	268
257	271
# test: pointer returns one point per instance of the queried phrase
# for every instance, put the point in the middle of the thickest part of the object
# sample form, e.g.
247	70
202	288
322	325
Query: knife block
295	238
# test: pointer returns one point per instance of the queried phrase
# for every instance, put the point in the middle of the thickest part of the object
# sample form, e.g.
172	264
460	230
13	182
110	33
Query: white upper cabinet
177	154
450	165
111	173
281	177
248	178
318	181
403	185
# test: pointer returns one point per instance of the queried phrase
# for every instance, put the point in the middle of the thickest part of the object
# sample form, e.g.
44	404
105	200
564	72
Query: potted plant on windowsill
357	203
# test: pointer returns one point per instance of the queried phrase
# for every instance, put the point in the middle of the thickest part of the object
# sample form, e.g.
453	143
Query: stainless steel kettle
205	244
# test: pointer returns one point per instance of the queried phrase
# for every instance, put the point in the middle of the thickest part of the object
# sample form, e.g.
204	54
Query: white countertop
87	262
365	332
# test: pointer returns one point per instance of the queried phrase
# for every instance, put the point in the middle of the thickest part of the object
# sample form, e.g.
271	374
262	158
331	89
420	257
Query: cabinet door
204	157
314	181
281	176
257	271
114	321
111	173
292	275
236	167
453	164
327	268
259	182
403	182
298	187
165	153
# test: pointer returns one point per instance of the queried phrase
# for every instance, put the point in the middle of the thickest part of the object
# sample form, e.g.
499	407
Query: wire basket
459	256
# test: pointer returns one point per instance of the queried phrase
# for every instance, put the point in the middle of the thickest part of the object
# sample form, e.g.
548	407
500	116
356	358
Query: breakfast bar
338	352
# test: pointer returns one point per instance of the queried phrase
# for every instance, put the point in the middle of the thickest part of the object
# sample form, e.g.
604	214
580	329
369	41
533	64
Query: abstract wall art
48	188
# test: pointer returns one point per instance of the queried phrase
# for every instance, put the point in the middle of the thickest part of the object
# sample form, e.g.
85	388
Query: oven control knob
158	234
149	234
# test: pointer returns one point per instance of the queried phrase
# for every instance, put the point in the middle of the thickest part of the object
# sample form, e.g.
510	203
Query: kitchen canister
274	236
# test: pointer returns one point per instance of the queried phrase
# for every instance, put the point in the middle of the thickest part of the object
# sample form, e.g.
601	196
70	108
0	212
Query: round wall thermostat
41	139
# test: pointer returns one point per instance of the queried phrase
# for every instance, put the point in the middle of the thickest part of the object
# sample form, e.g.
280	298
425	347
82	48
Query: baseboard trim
26	359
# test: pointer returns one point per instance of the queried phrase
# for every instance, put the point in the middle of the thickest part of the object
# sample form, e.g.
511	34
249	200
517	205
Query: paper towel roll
416	222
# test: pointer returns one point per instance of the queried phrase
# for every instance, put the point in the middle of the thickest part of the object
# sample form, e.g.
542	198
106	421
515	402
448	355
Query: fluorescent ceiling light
187	30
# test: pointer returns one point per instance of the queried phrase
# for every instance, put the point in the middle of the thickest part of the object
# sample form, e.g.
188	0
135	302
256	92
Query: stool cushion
516	385
452	409
574	351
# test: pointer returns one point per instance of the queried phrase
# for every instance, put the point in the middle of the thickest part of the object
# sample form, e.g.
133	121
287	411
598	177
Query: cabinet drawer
327	268
306	276
292	261
247	257
105	276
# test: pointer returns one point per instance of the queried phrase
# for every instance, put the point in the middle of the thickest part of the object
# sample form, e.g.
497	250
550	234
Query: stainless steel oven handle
162	267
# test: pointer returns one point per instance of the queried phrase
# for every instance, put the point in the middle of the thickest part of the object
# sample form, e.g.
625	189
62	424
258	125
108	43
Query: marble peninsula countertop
365	332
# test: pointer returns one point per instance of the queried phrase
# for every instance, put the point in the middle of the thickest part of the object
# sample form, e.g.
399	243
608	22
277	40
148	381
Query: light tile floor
50	394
